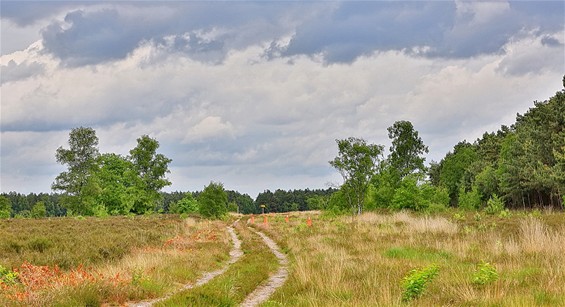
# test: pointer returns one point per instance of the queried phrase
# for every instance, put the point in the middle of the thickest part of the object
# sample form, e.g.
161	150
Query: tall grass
338	262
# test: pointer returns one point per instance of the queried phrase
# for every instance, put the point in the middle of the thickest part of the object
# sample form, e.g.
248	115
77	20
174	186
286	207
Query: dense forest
524	163
521	166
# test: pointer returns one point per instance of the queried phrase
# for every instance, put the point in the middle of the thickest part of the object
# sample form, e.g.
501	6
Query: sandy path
235	254
263	292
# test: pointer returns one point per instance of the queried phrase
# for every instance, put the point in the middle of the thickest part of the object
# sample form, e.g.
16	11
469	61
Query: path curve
263	292
235	254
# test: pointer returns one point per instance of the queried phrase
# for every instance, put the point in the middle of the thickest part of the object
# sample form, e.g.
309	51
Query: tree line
521	166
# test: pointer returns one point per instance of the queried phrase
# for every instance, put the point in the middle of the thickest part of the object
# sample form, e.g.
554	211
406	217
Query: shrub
407	196
213	201
8	277
38	210
485	274
470	200
415	282
495	205
186	205
5	207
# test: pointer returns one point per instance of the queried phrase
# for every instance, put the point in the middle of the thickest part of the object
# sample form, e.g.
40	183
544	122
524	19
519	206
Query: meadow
383	259
454	258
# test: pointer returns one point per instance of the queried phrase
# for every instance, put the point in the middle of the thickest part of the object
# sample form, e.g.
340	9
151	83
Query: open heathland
454	258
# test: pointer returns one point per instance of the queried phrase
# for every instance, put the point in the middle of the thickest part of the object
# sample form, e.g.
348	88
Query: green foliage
485	274
454	166
5	207
407	196
38	210
385	184
213	201
186	205
495	205
434	196
470	200
357	162
406	150
118	183
416	281
7	276
150	168
80	159
338	203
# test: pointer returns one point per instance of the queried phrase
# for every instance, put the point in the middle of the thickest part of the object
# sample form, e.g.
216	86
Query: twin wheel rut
260	294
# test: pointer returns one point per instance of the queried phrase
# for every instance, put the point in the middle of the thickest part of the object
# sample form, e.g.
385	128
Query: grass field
481	260
389	259
112	260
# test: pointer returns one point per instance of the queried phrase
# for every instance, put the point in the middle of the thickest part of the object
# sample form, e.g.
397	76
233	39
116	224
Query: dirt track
263	292
235	254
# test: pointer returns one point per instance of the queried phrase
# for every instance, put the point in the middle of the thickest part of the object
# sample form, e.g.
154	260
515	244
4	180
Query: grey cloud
356	29
340	32
551	42
25	13
92	37
14	72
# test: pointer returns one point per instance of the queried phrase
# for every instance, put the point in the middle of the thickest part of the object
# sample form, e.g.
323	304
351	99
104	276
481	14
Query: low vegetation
401	258
78	262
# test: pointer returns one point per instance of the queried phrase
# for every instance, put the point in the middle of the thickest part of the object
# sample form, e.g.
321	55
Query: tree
407	149
76	183
38	210
357	162
151	168
213	201
118	181
453	168
5	207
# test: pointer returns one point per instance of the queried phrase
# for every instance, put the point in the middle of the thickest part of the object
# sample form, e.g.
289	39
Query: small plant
504	213
478	217
486	273
8	277
415	282
460	217
137	276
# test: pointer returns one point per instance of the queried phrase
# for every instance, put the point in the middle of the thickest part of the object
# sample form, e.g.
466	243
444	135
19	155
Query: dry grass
190	248
338	262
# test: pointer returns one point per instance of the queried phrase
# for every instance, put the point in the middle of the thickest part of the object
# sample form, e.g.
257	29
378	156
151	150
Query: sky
254	94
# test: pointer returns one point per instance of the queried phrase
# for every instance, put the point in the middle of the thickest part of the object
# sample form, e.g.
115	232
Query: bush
495	205
470	200
213	201
407	196
415	282
186	205
38	210
485	274
5	207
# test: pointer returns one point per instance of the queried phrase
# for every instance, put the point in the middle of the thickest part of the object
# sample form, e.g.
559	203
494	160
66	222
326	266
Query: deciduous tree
357	162
80	158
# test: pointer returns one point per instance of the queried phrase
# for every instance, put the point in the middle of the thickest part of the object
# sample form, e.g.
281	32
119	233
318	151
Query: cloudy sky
254	94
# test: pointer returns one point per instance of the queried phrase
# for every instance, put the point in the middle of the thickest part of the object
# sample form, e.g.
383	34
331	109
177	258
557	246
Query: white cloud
260	123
